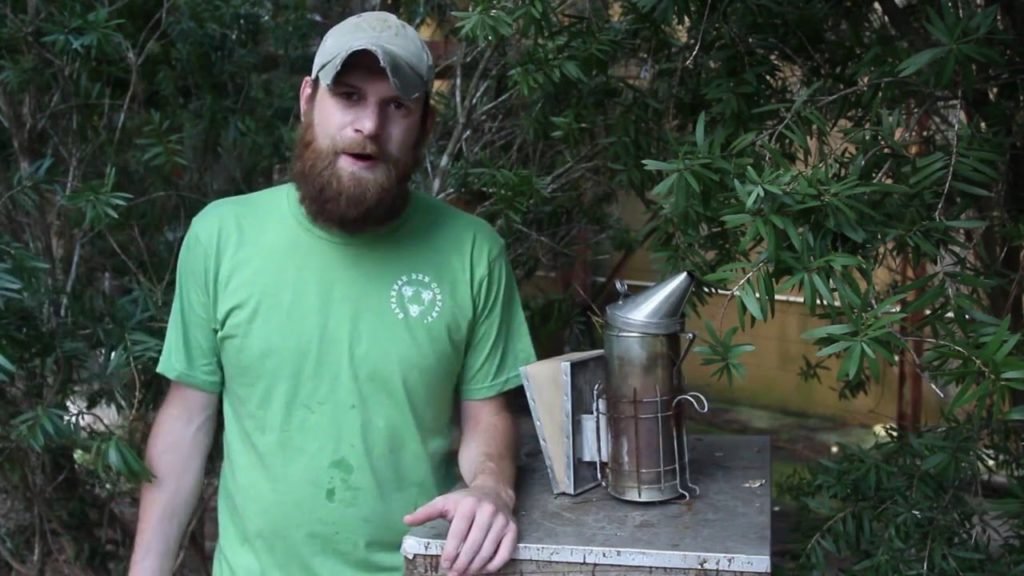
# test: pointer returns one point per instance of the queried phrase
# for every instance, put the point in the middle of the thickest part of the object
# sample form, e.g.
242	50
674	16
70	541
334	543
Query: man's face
358	145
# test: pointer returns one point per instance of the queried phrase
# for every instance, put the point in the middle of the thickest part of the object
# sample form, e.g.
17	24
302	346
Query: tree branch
952	160
135	63
464	116
18	567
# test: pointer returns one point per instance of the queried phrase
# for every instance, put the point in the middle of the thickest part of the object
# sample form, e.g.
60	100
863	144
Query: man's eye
398	105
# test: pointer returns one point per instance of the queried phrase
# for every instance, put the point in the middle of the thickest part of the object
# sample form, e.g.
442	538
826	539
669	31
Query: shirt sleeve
190	353
499	341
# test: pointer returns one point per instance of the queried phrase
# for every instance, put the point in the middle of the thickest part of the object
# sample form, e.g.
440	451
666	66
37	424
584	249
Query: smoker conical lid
657	310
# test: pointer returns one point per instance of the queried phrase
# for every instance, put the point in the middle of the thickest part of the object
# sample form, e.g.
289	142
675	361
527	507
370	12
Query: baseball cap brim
406	81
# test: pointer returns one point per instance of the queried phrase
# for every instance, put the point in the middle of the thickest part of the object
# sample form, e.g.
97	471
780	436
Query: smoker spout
656	310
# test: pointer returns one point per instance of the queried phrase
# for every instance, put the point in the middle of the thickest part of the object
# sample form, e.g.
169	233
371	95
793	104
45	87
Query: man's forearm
483	532
487	452
176	454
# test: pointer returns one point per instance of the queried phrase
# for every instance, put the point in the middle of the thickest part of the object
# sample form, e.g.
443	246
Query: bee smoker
616	416
645	343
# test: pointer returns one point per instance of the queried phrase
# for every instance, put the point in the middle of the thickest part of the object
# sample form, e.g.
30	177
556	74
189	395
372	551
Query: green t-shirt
340	361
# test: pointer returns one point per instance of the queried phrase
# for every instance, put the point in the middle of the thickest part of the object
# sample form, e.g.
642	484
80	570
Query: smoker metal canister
643	344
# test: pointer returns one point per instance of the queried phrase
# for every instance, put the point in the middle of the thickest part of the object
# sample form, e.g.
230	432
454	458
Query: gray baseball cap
398	46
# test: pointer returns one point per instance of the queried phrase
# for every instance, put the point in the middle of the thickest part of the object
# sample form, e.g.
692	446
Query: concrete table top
726	529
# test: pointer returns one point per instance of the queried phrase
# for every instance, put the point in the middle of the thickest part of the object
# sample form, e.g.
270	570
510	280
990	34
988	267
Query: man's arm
487	452
176	453
482	533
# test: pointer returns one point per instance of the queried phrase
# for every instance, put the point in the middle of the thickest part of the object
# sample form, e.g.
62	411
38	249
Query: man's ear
307	95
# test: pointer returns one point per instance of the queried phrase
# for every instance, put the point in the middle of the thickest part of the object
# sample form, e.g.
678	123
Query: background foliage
867	156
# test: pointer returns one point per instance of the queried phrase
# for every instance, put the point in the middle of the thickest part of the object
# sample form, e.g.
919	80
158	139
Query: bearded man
338	321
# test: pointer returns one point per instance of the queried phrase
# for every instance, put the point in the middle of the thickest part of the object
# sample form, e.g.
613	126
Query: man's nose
368	122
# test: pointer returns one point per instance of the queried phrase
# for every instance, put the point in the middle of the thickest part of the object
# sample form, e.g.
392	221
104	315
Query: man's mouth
361	156
360	159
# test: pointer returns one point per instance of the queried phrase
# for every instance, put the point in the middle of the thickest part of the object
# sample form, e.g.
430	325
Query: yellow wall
772	370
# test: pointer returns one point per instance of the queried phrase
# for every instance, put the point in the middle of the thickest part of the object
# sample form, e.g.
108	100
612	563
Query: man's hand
482	532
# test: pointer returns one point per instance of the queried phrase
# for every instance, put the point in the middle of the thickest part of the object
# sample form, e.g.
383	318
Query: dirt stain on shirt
339	477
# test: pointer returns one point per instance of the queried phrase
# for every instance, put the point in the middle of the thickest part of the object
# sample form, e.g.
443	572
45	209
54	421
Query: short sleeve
190	352
499	340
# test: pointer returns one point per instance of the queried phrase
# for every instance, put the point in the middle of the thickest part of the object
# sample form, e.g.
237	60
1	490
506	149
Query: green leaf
114	459
931	296
790	229
734	220
700	131
572	70
1016	414
970	189
823	290
934	460
663	166
873	363
966	395
851	364
691	181
839	261
767	292
929	171
965	223
664	187
1007	347
40	427
810	298
984	169
966	554
738	349
5	366
830	330
835	348
970	308
750	302
994	341
755	195
937	27
742	142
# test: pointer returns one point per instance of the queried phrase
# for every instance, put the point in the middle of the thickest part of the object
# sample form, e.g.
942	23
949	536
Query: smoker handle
690	339
675	439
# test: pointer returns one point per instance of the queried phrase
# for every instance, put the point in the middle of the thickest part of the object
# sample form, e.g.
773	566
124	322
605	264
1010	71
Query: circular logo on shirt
416	297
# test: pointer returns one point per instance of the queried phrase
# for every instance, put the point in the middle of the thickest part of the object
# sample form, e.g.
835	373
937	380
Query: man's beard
351	202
